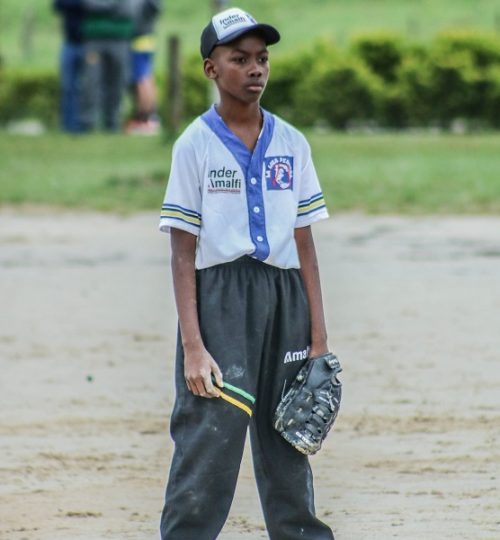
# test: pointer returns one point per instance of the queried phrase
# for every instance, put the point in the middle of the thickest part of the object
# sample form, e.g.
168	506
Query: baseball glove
308	410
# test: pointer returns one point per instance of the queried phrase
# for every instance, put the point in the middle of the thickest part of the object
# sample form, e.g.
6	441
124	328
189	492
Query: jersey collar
235	145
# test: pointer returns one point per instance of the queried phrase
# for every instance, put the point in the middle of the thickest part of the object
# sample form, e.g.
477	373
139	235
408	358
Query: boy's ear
209	68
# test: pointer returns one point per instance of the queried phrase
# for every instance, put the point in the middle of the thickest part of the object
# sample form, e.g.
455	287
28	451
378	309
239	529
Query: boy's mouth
255	87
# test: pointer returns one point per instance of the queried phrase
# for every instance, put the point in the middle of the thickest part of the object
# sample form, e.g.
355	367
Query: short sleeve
312	206
181	207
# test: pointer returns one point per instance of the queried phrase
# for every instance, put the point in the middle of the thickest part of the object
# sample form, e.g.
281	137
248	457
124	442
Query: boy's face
240	69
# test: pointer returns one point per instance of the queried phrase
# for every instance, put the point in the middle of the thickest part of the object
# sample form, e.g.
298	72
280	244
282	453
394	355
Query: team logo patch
279	172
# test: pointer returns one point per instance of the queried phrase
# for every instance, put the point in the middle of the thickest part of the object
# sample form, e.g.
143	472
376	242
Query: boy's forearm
199	366
184	280
310	275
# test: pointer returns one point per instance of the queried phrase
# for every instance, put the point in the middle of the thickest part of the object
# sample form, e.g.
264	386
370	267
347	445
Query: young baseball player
241	198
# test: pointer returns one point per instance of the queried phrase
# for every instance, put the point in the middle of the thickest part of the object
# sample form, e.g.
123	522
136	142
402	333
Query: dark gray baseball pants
251	315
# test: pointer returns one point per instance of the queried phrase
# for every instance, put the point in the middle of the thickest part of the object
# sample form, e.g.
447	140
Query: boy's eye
243	59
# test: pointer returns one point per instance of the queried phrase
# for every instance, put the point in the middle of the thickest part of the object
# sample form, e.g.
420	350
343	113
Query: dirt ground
87	332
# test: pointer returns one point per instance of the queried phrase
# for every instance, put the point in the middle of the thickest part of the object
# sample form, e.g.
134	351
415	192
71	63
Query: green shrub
414	90
337	91
447	83
461	76
393	108
484	48
379	78
382	52
195	87
29	95
385	54
451	82
286	72
492	97
439	88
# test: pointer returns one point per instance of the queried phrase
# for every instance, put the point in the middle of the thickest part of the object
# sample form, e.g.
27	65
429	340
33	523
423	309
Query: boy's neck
245	115
244	121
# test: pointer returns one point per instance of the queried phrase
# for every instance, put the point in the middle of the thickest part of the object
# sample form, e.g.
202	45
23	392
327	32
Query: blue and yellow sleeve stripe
174	211
313	204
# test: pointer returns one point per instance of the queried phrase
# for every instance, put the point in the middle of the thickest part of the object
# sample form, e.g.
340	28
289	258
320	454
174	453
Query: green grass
300	22
403	173
407	173
100	172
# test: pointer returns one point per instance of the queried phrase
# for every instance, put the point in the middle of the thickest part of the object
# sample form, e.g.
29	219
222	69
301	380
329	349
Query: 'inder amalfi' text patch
223	180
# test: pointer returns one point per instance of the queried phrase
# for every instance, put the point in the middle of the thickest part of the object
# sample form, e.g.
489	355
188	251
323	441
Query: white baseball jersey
240	202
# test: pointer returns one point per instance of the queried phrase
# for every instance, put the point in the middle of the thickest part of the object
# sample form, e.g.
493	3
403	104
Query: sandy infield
87	332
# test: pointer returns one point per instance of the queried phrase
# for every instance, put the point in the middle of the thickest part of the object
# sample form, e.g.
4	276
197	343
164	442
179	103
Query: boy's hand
198	369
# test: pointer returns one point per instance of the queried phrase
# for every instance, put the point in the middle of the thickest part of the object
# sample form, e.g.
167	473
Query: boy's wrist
319	345
193	345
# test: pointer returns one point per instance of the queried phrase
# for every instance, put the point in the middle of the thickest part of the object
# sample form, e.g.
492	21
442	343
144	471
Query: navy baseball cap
229	25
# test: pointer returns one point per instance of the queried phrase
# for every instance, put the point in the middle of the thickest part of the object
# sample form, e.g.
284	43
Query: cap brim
270	34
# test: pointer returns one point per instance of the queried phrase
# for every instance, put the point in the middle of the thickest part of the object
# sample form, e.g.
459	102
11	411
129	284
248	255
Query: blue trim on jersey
251	164
233	143
311	199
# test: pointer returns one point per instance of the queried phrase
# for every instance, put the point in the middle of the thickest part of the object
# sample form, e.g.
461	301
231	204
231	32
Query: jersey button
256	209
259	238
253	181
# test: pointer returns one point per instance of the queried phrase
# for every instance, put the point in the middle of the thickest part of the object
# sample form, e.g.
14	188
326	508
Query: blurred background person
107	29
71	63
144	119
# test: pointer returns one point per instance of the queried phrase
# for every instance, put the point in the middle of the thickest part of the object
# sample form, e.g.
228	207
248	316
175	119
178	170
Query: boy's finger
189	386
218	378
217	375
200	388
209	387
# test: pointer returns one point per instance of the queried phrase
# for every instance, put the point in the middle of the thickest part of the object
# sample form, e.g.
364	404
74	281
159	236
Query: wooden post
1	26
27	32
174	87
217	5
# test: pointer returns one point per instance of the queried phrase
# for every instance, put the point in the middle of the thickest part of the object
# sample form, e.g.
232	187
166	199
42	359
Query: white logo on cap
231	21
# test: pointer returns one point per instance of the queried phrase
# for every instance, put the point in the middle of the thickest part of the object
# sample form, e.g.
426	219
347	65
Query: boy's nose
255	69
256	73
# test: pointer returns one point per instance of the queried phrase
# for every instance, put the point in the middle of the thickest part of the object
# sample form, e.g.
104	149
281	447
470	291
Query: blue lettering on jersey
279	172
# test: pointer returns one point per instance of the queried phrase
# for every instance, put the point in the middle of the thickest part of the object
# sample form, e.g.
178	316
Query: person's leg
70	74
283	474
91	85
144	119
209	434
209	437
146	97
116	77
146	91
133	80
